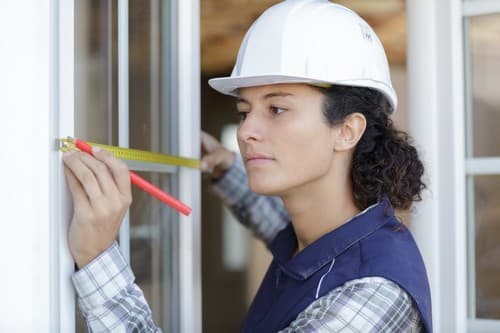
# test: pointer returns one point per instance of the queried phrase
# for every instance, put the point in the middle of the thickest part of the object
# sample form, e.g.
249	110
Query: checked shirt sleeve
372	304
264	215
108	297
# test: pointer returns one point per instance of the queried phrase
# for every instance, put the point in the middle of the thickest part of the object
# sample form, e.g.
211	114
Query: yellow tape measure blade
67	144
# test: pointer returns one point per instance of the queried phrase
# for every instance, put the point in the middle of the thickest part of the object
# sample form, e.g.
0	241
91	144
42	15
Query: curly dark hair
384	163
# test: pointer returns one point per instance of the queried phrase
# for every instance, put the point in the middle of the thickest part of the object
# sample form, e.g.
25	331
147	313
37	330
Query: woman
314	97
314	93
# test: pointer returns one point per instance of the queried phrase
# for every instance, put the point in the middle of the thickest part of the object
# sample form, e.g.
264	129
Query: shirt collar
323	250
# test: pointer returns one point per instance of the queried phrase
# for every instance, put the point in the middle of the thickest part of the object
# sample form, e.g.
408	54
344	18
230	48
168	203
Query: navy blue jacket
374	243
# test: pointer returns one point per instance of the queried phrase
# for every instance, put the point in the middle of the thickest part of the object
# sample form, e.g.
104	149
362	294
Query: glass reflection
484	48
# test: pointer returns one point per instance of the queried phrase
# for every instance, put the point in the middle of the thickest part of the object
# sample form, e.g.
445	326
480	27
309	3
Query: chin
265	187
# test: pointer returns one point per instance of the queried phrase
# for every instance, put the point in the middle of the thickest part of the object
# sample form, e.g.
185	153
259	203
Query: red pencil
144	184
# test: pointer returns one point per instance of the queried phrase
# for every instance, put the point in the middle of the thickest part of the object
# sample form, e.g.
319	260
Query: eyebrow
267	96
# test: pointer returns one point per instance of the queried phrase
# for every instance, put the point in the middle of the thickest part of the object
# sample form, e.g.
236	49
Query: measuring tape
67	144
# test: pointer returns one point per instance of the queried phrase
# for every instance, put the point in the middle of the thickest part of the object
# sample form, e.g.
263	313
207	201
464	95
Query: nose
251	128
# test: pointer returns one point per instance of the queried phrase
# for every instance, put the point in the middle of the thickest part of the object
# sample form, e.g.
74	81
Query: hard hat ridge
312	42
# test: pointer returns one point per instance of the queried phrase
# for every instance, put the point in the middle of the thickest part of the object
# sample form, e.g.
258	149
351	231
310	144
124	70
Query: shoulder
370	304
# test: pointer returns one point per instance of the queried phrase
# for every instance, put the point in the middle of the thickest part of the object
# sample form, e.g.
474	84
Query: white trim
123	108
469	151
66	110
37	295
471	249
189	145
480	7
483	326
469	121
435	81
57	223
483	166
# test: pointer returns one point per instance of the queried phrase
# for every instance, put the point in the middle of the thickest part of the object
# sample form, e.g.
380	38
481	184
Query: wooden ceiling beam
224	23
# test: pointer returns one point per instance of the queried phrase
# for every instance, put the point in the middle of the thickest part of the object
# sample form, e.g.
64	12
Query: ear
350	132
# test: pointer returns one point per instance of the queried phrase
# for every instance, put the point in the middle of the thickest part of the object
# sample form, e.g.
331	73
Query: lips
257	157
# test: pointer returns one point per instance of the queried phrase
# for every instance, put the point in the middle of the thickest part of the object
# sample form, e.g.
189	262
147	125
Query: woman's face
283	137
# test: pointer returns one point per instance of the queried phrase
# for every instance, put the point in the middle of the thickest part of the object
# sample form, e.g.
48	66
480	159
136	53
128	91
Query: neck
319	207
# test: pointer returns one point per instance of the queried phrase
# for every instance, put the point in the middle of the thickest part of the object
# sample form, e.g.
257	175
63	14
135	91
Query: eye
242	115
277	110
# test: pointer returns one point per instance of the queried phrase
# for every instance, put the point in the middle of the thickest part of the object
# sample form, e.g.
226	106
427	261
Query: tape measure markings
137	155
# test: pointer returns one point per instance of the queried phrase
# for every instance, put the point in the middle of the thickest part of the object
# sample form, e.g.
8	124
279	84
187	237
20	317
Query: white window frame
187	98
63	118
38	295
37	103
436	81
475	166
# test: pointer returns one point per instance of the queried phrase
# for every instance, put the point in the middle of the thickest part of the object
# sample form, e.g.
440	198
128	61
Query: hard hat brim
230	85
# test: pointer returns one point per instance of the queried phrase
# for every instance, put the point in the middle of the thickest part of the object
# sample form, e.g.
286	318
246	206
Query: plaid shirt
112	302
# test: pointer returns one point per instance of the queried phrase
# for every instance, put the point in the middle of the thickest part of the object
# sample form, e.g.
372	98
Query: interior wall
223	291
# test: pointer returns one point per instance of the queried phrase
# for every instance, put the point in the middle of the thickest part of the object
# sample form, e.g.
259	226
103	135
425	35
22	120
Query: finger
101	171
118	169
208	163
203	143
83	174
77	192
208	142
214	160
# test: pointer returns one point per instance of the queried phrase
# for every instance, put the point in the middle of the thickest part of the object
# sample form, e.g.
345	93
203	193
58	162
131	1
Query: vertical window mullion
479	163
169	142
469	180
188	53
62	295
469	152
123	106
471	248
156	258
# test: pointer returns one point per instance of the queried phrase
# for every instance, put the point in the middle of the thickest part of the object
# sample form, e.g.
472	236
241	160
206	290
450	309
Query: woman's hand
100	187
216	159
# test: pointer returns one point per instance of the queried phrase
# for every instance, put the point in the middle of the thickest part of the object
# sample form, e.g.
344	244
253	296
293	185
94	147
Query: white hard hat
309	41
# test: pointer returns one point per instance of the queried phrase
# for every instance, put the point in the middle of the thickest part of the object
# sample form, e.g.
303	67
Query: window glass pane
145	117
96	108
151	248
96	111
485	241
484	55
152	224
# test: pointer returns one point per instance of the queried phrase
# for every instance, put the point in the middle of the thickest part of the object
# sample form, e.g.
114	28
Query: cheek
308	159
302	157
308	143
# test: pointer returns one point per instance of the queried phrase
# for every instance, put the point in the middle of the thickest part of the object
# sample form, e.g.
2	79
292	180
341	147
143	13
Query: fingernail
204	166
96	149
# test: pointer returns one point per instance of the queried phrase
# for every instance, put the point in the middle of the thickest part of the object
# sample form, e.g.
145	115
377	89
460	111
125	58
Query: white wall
25	104
36	267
